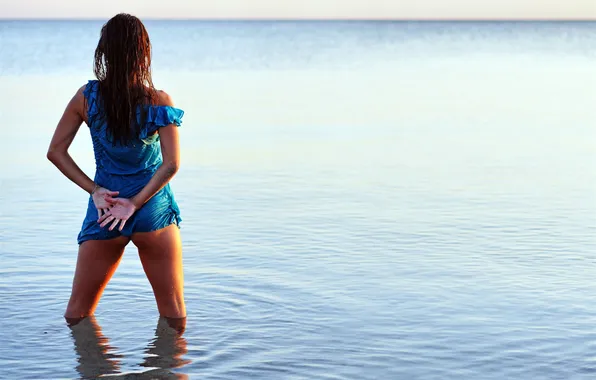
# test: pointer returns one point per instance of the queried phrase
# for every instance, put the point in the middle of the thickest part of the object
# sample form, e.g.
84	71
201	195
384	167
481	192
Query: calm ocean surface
361	200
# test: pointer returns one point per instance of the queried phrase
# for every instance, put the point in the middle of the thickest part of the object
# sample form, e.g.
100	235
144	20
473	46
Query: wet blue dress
128	169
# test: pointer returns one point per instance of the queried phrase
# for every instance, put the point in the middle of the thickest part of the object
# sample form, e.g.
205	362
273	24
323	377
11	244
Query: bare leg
96	263
161	255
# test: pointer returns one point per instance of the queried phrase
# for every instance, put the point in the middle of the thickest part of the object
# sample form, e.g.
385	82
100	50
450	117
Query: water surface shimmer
368	200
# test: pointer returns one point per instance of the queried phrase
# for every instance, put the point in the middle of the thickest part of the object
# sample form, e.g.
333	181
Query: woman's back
140	156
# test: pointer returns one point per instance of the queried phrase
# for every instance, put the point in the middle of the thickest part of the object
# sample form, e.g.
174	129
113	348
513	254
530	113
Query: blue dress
128	169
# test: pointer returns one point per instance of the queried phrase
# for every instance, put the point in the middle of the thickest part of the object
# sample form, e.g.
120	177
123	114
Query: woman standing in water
135	141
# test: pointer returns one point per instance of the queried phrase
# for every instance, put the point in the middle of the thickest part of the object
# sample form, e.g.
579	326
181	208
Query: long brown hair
123	69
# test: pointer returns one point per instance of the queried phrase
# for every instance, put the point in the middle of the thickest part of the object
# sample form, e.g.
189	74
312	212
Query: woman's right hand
120	211
99	200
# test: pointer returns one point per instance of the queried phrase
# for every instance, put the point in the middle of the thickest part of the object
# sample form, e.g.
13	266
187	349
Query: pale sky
300	9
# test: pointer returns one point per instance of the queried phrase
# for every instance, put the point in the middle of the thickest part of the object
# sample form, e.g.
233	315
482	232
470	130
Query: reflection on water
97	358
166	350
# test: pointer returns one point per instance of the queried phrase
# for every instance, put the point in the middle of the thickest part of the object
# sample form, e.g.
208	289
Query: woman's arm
65	132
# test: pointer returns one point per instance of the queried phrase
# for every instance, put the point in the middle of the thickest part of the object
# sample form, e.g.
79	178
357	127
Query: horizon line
323	19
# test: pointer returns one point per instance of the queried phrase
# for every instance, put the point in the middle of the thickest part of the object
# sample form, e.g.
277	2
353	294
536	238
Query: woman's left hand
120	211
100	201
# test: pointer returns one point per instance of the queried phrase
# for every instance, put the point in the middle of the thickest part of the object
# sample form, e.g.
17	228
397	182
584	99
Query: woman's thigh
161	256
96	263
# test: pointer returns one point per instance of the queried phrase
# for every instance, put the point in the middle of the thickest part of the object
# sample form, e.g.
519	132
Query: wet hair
123	69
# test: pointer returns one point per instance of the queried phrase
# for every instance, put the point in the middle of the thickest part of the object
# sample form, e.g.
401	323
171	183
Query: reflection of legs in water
168	346
93	350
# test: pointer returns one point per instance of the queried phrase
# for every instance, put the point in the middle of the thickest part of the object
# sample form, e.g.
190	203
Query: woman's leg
96	263
161	255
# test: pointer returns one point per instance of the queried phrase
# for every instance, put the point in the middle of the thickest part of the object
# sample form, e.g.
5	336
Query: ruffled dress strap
91	95
157	117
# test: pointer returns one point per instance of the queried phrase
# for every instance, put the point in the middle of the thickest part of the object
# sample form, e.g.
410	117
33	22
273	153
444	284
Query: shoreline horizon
322	19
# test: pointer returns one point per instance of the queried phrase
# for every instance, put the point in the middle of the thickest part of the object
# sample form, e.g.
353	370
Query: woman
135	141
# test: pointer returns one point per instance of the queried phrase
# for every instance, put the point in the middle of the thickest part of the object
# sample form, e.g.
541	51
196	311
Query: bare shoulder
79	95
77	103
164	99
81	90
